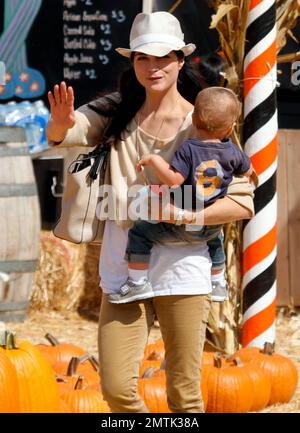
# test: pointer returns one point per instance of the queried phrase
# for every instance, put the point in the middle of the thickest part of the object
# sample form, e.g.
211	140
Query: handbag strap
100	153
105	106
99	162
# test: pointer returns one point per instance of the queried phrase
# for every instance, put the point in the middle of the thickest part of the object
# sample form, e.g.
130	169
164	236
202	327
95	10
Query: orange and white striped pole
261	140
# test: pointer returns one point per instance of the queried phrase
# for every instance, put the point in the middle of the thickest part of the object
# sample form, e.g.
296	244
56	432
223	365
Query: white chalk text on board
87	37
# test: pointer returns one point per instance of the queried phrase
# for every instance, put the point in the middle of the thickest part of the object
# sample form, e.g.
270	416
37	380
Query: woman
151	117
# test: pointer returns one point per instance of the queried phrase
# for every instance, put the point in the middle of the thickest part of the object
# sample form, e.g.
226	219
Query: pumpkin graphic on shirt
208	177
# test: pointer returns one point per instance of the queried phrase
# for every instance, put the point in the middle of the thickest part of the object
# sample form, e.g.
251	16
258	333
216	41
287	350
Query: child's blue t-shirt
209	167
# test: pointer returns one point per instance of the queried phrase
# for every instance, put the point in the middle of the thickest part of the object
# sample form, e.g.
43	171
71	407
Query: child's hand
145	160
252	176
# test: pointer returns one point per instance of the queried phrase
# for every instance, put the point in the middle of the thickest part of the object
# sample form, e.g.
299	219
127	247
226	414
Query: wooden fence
288	187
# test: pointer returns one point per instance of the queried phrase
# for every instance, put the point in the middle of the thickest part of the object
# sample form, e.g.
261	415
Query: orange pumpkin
9	388
261	384
81	400
38	391
208	358
146	364
64	408
67	383
155	351
245	354
229	387
79	367
281	371
152	390
59	354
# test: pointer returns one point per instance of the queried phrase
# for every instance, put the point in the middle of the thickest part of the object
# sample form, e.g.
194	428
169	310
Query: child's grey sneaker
131	292
219	291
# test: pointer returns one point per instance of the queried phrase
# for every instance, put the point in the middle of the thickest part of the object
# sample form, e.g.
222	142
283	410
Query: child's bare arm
249	172
161	168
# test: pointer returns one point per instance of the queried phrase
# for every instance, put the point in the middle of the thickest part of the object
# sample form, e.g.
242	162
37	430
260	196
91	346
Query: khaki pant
123	334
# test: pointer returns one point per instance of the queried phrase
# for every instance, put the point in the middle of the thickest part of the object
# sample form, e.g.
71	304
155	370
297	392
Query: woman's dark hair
133	96
210	68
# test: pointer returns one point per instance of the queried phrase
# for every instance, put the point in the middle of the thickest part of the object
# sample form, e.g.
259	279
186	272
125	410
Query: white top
175	269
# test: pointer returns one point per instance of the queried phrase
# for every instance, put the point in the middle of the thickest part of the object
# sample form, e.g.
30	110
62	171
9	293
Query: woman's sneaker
219	291
131	292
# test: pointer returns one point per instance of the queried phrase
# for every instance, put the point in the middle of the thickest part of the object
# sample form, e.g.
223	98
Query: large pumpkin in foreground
281	371
261	384
229	388
9	388
38	390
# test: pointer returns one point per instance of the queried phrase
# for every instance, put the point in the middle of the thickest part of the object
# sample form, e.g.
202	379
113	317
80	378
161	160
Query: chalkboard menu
74	40
92	29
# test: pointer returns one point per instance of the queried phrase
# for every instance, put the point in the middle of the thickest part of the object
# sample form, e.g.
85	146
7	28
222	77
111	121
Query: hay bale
90	299
66	277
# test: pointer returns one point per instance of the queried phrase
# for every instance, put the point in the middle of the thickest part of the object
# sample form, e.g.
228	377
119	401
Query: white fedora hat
156	34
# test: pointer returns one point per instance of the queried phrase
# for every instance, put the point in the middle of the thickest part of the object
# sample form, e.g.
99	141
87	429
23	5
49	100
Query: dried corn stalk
67	277
288	12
